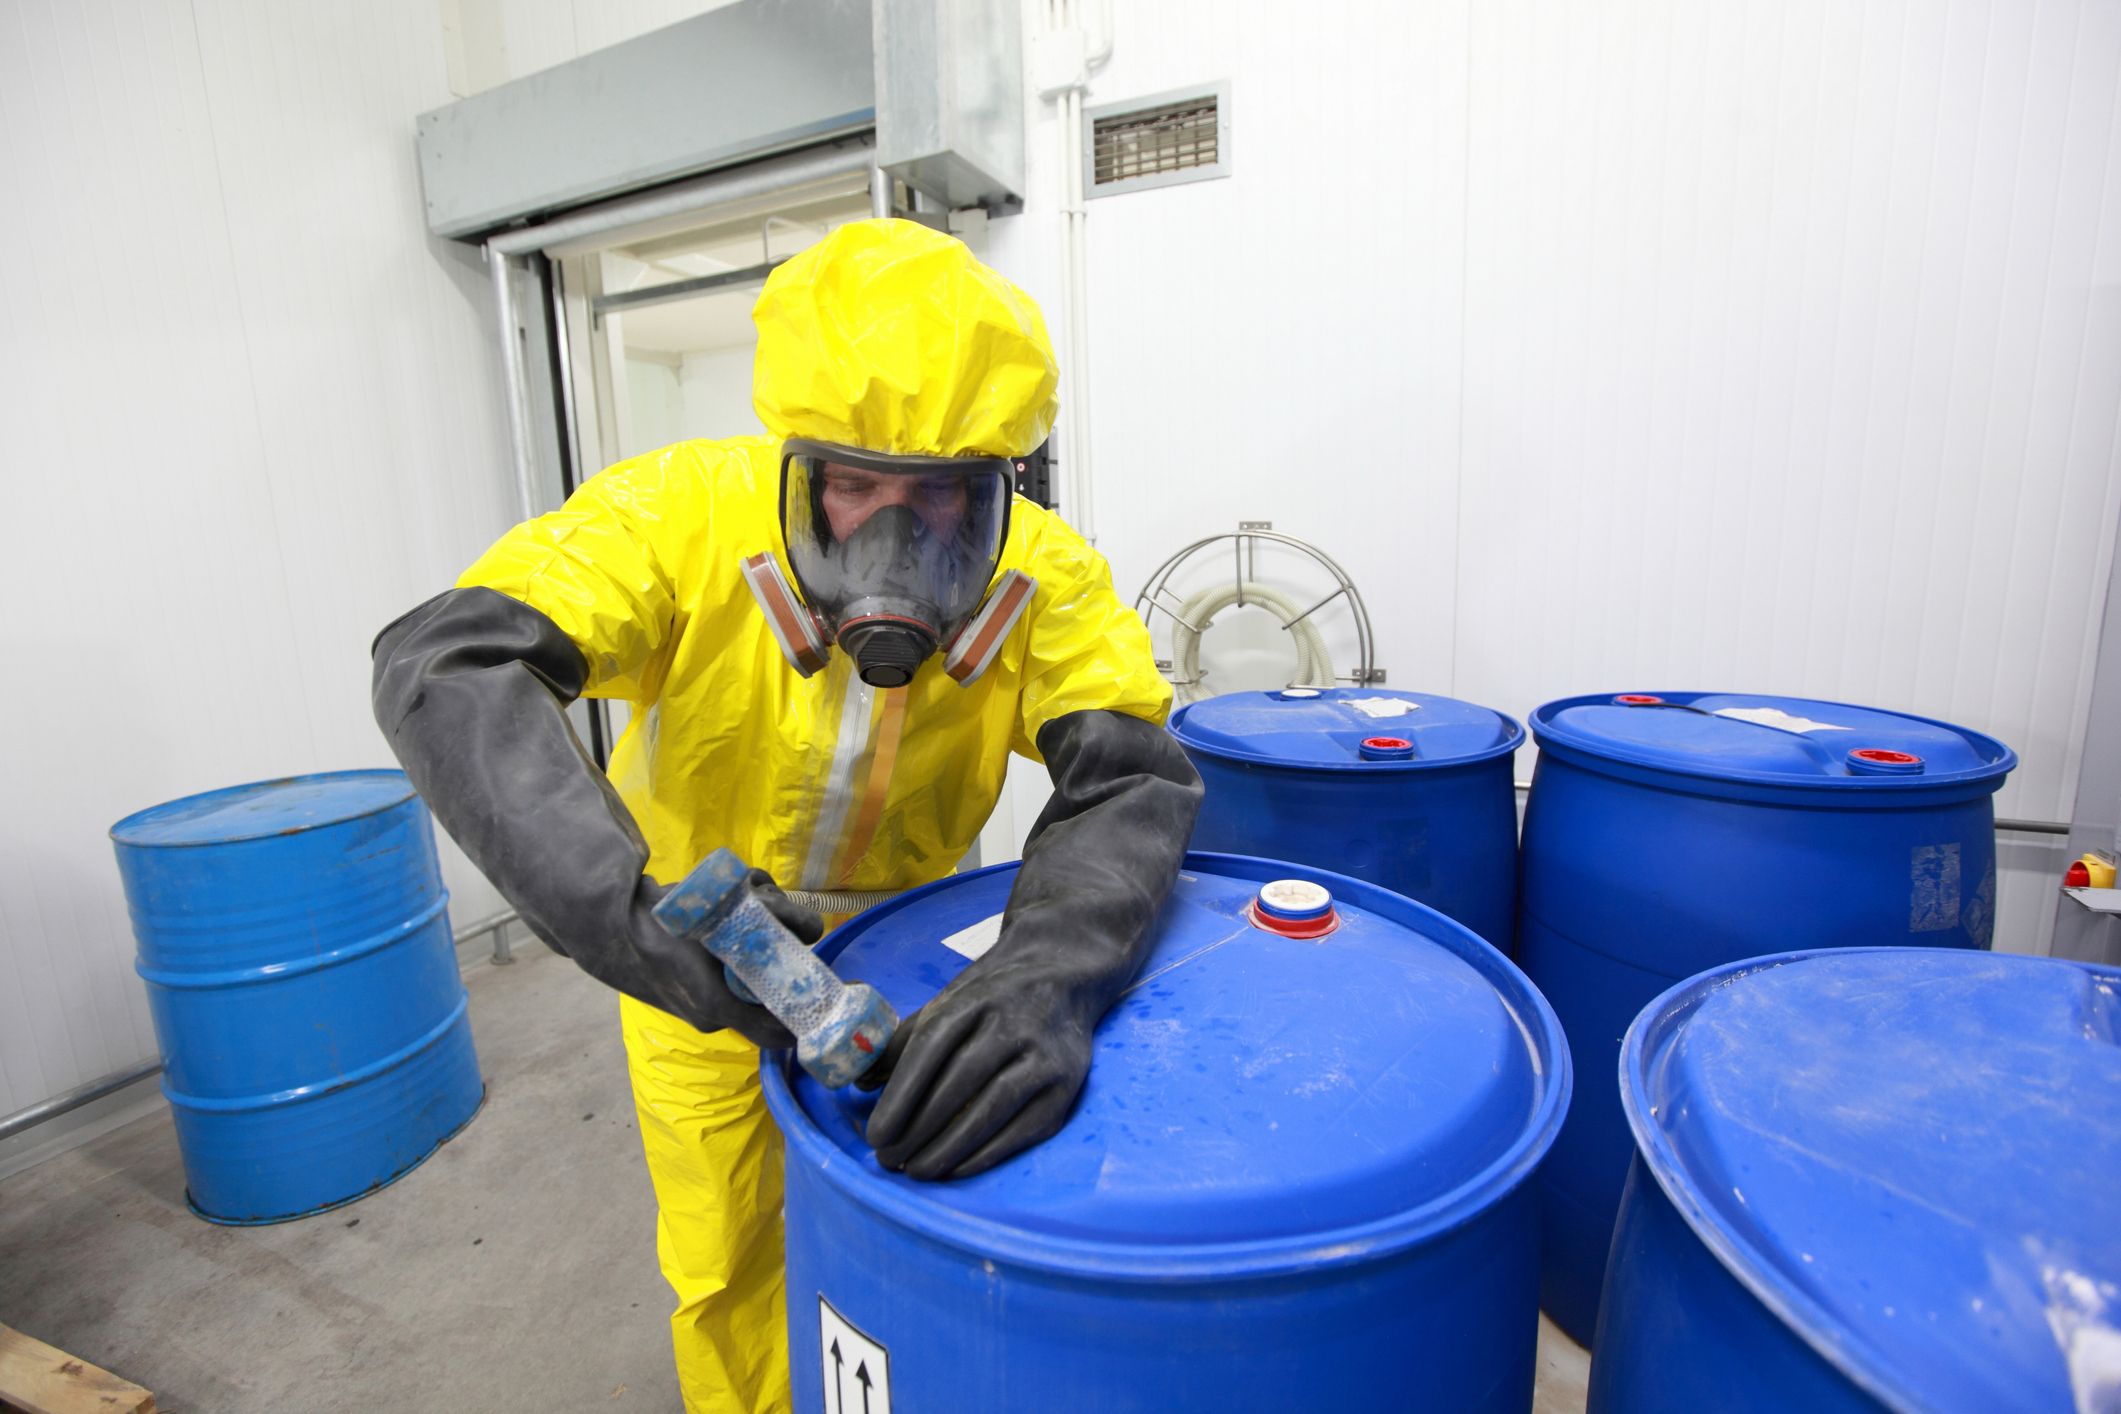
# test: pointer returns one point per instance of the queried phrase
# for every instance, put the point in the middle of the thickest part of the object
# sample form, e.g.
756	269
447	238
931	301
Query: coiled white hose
831	902
1313	665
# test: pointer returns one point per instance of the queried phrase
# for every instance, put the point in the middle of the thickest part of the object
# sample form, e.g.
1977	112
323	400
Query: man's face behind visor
893	552
850	496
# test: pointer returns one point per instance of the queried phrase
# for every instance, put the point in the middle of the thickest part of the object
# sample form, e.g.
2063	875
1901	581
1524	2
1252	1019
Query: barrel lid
1326	728
1772	740
264	808
1255	1101
1911	1155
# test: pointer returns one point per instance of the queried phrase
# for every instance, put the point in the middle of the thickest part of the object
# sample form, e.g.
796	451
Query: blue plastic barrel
294	938
1871	1179
1296	1178
1669	833
1399	788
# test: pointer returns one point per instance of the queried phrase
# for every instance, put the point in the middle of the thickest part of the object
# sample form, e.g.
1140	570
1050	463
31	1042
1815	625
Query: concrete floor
513	1270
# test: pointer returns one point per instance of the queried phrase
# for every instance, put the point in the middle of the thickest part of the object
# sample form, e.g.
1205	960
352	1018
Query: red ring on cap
1639	699
1299	928
1885	758
1387	743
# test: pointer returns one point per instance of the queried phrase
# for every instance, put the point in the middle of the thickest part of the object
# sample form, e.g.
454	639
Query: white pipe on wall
1064	18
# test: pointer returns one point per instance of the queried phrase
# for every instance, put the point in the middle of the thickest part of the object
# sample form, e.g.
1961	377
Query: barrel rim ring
338	1083
221	979
1551	736
1828	1335
1508	747
485	1093
1257	1258
138	816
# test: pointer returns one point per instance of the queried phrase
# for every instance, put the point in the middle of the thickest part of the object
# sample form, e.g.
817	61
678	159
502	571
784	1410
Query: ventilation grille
1152	142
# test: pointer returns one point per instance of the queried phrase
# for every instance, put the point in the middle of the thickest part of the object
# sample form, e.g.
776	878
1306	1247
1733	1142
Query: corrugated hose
836	901
1314	666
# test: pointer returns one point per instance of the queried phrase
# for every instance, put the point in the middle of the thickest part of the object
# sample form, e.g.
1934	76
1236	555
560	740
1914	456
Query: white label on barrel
857	1369
1381	706
1776	717
973	942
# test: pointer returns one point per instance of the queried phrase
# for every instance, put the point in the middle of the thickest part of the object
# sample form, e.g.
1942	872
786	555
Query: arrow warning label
857	1369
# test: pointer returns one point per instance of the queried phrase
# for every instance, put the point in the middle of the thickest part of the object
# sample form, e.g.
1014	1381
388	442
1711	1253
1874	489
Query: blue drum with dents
1669	833
1403	789
1872	1179
294	938
1297	1178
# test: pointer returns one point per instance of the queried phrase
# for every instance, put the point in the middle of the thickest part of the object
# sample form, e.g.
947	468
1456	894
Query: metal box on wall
737	83
950	99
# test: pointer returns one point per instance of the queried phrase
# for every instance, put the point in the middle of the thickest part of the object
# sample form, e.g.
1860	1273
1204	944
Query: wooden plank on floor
37	1379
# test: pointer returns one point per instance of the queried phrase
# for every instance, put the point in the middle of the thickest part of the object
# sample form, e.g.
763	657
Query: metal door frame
544	318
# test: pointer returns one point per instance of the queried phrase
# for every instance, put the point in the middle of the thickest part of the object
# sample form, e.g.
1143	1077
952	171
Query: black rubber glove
993	1064
471	690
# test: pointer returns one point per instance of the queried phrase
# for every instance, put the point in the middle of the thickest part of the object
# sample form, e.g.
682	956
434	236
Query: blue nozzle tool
840	1027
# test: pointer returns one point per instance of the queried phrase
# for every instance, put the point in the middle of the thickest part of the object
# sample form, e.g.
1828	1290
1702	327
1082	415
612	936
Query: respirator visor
894	553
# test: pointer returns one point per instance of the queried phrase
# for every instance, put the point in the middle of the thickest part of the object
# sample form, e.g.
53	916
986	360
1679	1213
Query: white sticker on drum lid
857	1369
1381	707
973	942
1776	717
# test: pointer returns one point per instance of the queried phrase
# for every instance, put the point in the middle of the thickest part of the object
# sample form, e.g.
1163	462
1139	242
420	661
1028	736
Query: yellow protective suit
886	336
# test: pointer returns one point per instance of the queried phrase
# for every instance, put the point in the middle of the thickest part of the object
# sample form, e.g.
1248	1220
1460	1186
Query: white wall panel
253	415
1786	363
717	394
493	41
1793	362
1752	345
1283	344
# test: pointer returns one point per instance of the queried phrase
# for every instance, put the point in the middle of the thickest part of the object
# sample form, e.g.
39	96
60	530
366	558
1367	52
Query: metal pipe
75	1098
503	950
512	386
561	369
2004	825
1316	607
848	156
685	289
94	1090
879	192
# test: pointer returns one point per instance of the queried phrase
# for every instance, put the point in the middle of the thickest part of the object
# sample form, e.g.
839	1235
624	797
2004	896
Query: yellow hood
892	337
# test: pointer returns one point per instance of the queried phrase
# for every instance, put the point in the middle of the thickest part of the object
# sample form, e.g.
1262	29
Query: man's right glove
993	1064
471	690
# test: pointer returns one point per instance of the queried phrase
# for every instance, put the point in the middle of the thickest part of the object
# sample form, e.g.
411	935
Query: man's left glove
993	1064
471	690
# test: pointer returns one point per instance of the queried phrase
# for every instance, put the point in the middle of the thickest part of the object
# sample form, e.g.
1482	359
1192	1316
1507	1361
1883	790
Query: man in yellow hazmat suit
831	638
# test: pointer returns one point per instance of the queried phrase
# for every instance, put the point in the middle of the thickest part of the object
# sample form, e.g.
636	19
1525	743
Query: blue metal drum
294	938
1296	1178
1670	833
1405	790
1870	1179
